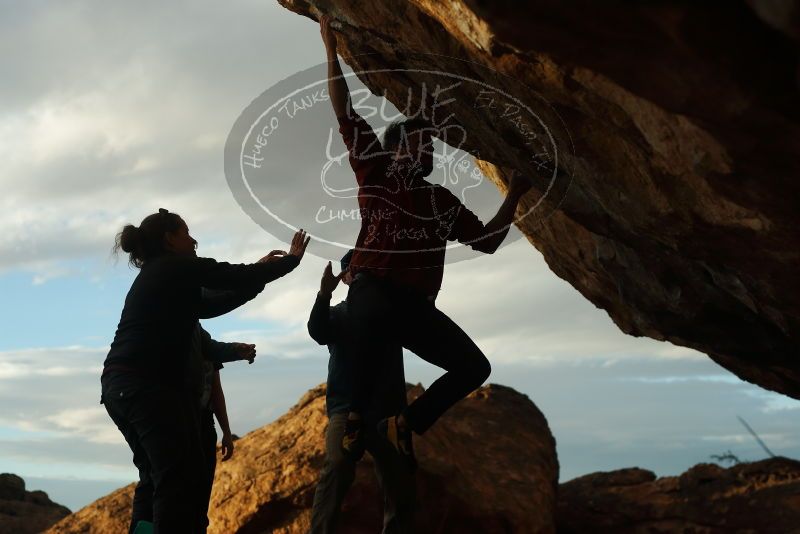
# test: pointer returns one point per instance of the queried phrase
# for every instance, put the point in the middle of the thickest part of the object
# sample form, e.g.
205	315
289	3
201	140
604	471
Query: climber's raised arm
363	145
497	229
337	86
469	230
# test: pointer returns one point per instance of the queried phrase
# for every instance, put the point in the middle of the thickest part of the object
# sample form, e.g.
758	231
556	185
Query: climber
328	325
399	257
144	387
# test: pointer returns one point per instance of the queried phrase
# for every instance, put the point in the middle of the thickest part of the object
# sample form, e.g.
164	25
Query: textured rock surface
25	512
761	497
111	513
465	484
681	219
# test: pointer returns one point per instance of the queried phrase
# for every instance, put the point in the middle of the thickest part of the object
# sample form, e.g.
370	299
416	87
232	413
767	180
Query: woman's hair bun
129	238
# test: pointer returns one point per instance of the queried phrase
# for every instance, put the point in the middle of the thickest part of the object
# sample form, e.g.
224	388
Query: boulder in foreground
488	466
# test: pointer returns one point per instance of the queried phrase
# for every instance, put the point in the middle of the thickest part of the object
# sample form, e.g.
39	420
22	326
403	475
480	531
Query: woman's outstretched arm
209	273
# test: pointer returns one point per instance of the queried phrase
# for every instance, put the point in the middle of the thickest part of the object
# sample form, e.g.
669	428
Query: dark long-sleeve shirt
217	352
328	325
164	304
216	302
406	221
207	356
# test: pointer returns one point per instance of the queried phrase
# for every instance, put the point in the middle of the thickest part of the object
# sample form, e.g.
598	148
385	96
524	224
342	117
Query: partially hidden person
329	325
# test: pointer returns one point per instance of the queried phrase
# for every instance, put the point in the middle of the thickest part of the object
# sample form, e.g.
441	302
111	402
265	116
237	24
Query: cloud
64	455
90	423
55	391
140	125
772	402
278	343
49	362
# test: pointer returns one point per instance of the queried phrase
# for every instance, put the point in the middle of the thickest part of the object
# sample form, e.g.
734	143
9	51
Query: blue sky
130	113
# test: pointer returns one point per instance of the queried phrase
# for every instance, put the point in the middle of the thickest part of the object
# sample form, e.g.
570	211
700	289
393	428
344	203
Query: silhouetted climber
329	325
399	259
143	384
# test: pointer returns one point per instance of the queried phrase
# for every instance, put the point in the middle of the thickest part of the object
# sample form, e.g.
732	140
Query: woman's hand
246	351
227	446
272	256
299	244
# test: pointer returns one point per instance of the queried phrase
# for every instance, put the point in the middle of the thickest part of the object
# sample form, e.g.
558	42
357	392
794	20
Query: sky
110	110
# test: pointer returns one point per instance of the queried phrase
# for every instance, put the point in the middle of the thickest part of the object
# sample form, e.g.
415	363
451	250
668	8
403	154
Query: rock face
674	153
111	513
464	484
761	497
23	512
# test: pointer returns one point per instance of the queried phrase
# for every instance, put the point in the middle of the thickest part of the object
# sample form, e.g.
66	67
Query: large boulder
753	497
676	132
26	512
489	466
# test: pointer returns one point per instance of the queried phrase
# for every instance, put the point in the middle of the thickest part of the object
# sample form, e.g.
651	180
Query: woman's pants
161	427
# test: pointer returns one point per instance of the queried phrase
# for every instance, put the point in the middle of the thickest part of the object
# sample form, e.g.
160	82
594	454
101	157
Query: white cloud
279	343
140	125
90	423
49	362
773	402
53	390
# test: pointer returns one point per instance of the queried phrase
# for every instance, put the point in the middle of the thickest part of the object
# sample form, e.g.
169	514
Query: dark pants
160	425
384	313
394	478
208	440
